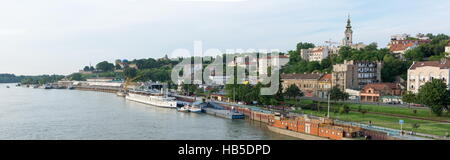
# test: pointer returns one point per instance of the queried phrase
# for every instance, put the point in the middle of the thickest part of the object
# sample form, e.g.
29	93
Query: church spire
348	40
349	25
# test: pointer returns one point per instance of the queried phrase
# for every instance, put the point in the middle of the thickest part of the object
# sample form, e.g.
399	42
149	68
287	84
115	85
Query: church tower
348	40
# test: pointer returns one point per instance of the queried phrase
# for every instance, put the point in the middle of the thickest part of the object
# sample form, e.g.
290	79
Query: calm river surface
27	113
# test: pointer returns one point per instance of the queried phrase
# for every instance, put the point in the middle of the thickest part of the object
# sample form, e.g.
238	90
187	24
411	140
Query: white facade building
315	54
447	49
421	72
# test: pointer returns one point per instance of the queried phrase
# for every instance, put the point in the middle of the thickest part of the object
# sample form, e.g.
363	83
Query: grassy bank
419	113
427	127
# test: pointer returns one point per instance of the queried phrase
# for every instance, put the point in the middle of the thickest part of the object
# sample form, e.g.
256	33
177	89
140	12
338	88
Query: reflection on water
27	113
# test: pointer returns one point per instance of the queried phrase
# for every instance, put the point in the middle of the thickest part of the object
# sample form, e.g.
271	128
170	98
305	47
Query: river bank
27	113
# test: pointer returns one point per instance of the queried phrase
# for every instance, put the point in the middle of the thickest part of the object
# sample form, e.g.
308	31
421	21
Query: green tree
86	68
336	94
105	66
118	67
77	77
130	72
435	95
293	91
393	68
409	98
302	45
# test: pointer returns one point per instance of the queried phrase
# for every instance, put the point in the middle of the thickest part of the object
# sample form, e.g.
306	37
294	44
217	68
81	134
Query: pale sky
62	36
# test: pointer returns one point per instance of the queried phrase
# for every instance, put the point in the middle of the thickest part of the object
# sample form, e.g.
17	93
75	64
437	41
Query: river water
27	113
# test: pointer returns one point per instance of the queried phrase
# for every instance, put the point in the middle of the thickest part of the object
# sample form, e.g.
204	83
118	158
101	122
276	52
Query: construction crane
330	43
128	81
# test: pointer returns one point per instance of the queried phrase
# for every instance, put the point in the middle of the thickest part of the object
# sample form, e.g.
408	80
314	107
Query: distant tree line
10	78
147	70
41	79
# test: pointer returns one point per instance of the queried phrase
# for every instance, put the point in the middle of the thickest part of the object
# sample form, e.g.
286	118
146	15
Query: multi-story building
401	46
324	86
376	91
271	61
447	49
421	72
400	37
307	83
315	54
356	74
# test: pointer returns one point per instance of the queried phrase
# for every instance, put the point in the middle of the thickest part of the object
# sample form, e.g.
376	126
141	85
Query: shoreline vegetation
40	79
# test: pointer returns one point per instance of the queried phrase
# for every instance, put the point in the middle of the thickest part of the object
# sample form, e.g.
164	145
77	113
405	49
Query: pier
98	88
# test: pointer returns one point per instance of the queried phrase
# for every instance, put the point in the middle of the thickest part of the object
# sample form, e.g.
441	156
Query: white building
421	72
315	54
271	61
447	49
400	37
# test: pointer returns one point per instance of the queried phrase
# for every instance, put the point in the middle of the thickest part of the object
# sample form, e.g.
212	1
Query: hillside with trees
41	79
434	50
147	70
392	66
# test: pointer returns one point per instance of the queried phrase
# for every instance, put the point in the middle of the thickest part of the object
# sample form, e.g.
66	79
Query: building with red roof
421	72
401	46
375	91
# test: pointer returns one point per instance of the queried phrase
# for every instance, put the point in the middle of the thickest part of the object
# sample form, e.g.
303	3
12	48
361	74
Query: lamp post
329	95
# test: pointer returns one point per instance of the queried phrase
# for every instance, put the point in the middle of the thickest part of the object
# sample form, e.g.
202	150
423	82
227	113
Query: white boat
155	99
195	109
183	109
121	93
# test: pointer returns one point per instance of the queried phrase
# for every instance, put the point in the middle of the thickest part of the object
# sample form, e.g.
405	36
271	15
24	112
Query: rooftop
382	86
326	77
442	64
302	76
401	45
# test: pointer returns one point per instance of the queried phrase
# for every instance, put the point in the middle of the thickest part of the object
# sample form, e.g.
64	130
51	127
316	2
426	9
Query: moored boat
195	110
121	94
150	98
196	107
183	109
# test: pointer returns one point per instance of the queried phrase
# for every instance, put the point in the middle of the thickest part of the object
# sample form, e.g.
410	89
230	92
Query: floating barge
217	110
224	113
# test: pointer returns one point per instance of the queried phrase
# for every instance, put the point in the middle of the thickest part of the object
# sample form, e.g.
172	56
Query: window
421	77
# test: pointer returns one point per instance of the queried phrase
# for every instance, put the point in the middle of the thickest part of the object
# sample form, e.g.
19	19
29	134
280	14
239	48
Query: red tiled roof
326	77
441	64
401	45
318	49
382	86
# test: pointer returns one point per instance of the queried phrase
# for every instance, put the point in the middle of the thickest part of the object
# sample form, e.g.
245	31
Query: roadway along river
27	113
